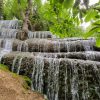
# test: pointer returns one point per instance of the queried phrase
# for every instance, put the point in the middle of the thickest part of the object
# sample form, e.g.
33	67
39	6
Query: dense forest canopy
62	17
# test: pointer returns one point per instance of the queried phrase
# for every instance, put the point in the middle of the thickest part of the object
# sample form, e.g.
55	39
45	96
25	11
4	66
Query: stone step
47	45
15	33
72	39
29	58
89	55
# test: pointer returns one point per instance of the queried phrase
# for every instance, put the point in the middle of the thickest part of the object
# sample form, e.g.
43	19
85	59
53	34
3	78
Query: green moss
27	82
4	67
15	75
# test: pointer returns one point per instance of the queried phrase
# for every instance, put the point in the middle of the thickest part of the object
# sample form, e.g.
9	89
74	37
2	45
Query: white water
88	45
74	82
14	24
39	34
19	47
53	79
25	46
57	45
13	65
8	33
37	74
7	47
19	65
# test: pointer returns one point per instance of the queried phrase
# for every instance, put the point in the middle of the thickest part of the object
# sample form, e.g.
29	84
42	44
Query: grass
4	67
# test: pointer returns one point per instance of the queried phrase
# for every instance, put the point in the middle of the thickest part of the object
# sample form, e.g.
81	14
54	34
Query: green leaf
92	31
90	15
98	41
68	3
61	1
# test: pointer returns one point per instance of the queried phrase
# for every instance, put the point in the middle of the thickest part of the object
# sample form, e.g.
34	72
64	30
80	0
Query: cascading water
37	74
53	79
16	65
8	33
74	79
57	46
54	74
8	29
19	47
13	65
74	82
25	46
7	47
39	34
88	44
19	65
14	24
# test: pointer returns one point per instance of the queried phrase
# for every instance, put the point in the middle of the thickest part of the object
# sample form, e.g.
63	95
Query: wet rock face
71	79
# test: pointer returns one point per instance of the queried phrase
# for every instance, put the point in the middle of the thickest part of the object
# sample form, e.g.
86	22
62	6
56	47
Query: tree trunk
26	21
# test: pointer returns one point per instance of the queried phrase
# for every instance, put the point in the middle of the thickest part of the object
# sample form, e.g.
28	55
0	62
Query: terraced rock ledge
62	69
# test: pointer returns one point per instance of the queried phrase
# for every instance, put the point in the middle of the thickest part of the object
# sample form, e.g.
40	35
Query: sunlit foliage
62	17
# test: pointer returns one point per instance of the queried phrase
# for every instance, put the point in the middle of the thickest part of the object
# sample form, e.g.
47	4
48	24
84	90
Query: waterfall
37	74
13	65
53	79
8	33
62	69
90	55
16	65
14	24
88	44
19	65
25	46
39	34
7	47
74	82
19	47
57	46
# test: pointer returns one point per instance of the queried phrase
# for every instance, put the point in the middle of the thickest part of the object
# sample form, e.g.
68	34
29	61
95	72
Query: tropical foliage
93	15
62	17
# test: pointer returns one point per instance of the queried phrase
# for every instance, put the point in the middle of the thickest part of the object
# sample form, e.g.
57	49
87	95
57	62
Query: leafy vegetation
62	17
93	15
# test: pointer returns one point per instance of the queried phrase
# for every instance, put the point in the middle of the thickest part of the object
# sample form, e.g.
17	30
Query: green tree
93	15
